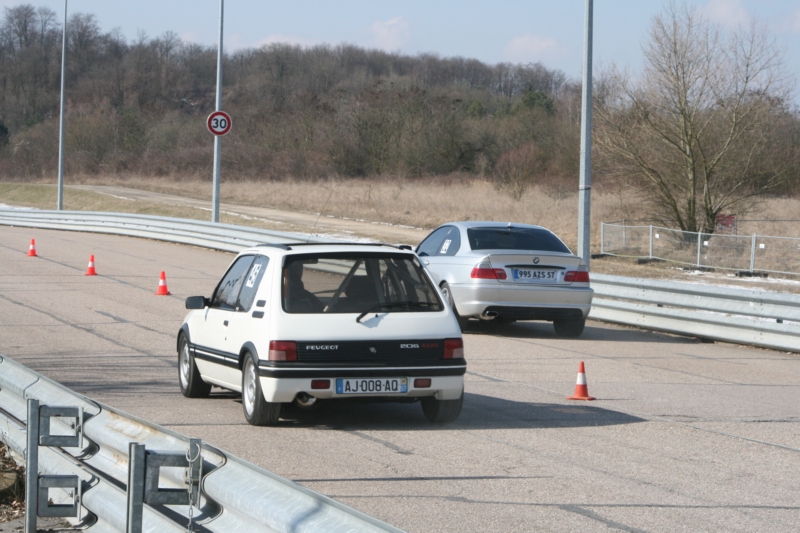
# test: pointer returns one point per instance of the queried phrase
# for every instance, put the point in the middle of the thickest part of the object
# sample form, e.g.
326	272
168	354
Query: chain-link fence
734	252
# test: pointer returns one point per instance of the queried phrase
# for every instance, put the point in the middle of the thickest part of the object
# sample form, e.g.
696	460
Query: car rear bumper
286	389
521	302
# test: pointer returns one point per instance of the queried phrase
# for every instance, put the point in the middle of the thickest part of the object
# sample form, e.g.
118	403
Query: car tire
192	385
257	411
462	321
442	411
569	328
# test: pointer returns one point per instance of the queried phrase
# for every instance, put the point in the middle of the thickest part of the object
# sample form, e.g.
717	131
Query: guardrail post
36	486
32	467
136	469
753	254
624	235
699	239
144	468
651	241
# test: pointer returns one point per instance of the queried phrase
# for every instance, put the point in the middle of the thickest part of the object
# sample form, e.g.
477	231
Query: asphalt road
684	436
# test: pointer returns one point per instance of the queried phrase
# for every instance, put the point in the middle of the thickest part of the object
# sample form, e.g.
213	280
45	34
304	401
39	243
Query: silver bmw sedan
506	272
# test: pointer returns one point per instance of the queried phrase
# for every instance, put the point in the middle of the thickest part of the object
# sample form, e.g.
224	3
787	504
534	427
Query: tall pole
585	187
61	114
217	138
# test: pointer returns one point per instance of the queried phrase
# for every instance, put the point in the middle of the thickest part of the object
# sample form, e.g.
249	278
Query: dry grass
422	203
12	501
45	197
416	203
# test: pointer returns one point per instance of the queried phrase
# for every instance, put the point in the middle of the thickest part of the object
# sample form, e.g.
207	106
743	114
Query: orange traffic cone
581	389
90	271
162	286
32	249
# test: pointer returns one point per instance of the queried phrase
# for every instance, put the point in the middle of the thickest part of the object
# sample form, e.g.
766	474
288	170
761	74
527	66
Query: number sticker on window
251	279
445	246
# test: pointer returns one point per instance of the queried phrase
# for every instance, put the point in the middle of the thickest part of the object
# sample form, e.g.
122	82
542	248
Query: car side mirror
197	302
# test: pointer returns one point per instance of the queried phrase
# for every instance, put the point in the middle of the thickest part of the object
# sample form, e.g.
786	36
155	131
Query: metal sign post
217	139
61	114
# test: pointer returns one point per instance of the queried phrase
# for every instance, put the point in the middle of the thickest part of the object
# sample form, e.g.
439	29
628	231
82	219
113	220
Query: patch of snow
757	279
115	196
348	238
15	208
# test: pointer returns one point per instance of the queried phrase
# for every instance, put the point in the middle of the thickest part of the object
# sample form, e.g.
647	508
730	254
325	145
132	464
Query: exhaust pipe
489	315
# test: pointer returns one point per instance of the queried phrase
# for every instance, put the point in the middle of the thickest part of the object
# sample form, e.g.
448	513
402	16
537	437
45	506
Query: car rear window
356	282
515	239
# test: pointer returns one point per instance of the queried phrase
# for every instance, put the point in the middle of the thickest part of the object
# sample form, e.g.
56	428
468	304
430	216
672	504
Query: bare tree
516	169
697	130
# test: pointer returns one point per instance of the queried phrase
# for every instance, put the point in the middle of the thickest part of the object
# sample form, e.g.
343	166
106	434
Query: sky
517	31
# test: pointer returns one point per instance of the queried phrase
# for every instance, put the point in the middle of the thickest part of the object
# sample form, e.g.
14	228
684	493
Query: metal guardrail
234	495
759	318
224	237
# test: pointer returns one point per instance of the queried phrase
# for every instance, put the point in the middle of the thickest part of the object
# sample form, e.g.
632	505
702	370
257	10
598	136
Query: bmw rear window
537	239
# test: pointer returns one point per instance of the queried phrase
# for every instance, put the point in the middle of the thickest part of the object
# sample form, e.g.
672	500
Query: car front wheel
569	328
192	385
257	411
462	321
442	411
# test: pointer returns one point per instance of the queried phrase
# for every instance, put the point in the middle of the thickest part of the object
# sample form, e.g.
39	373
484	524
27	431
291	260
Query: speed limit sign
219	123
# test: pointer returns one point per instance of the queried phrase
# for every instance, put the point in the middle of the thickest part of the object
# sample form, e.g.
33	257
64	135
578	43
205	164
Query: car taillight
453	349
282	351
320	384
422	383
482	272
579	276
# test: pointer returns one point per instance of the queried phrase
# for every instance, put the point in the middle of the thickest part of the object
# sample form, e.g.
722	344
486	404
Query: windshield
537	239
356	282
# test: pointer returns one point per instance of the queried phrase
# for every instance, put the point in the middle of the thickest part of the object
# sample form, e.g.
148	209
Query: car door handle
225	323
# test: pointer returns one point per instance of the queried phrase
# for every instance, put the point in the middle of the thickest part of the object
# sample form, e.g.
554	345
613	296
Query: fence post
602	237
624	235
753	254
651	241
699	239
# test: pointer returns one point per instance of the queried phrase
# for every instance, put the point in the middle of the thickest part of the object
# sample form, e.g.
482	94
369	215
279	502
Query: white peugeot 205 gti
303	323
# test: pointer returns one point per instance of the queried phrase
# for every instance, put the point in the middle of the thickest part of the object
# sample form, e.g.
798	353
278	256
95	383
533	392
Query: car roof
332	247
467	224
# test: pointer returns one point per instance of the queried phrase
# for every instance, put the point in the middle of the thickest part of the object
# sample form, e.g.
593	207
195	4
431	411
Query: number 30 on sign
219	123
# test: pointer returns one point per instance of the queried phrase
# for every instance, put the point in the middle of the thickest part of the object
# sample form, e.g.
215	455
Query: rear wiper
393	305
